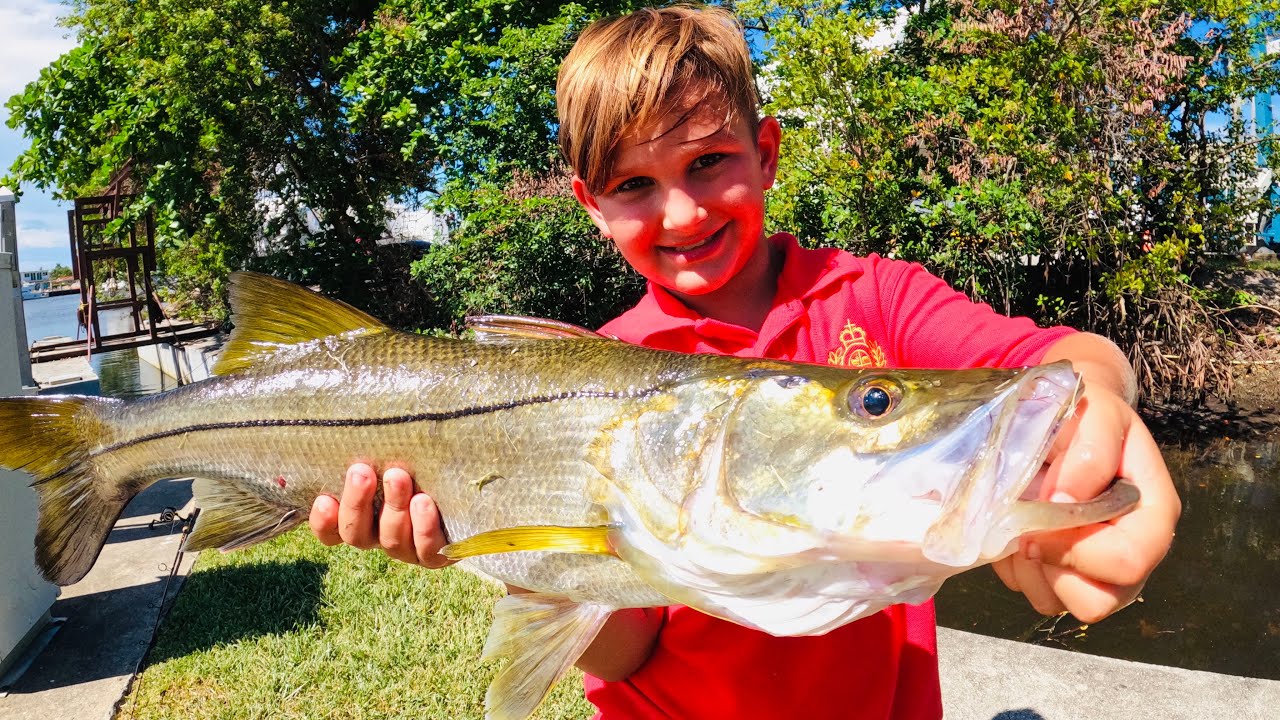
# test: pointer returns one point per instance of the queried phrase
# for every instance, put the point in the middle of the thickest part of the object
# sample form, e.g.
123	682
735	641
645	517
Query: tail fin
52	438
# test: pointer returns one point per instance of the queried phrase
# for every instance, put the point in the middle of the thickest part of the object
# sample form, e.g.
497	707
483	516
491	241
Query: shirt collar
805	273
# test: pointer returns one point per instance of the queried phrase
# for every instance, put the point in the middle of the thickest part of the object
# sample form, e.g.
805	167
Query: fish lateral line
444	416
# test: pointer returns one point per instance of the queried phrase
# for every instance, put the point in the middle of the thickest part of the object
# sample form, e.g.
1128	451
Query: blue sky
30	39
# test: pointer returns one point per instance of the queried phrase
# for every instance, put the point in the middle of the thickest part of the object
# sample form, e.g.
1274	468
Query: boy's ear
588	203
768	143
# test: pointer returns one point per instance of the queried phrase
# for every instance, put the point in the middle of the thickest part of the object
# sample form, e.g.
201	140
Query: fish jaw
791	583
847	524
1017	430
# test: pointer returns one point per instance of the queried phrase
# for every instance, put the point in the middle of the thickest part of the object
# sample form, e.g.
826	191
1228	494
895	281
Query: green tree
526	248
273	135
1026	150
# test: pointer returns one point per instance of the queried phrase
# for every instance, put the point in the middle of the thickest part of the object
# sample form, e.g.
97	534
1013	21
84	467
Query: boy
660	123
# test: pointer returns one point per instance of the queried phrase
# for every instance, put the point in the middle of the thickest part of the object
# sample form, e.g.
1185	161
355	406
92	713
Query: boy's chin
695	287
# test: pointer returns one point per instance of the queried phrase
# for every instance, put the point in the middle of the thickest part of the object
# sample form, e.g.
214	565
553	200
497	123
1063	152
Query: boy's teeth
695	246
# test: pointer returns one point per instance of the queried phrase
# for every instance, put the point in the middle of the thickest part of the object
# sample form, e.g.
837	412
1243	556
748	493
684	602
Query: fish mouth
1000	451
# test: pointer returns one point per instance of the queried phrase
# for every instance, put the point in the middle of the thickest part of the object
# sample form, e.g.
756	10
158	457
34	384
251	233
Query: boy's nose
681	210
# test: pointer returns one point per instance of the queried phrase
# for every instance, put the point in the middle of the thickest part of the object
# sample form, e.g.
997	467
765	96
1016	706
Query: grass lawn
292	629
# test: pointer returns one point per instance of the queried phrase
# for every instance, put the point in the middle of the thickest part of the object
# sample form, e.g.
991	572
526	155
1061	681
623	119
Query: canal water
120	374
1213	604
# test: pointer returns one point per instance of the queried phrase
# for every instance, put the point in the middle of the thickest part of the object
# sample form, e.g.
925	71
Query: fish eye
875	399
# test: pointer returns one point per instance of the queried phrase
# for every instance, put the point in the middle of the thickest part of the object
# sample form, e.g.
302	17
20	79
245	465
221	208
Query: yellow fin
270	314
491	328
55	439
541	635
232	518
589	540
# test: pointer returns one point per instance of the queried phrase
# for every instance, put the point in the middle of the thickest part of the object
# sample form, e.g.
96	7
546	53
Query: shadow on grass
228	604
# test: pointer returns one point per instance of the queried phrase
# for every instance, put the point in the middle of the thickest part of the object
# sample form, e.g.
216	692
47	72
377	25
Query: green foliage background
526	249
1079	163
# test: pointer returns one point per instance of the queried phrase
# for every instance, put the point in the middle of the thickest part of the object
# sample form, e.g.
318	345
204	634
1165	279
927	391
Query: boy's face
685	200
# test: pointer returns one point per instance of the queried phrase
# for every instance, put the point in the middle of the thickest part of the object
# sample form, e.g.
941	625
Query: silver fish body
785	497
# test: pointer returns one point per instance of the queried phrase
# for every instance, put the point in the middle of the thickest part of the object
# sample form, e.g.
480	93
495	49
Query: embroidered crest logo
856	349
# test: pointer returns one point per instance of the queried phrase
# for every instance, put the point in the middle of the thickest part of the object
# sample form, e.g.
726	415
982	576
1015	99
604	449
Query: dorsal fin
489	328
270	314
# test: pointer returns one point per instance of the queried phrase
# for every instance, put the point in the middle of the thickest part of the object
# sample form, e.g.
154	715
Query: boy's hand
1095	570
408	528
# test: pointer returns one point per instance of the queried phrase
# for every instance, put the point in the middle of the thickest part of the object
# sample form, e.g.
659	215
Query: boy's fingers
1004	571
1087	464
355	511
428	533
1032	583
395	529
1125	550
1088	600
324	520
1101	552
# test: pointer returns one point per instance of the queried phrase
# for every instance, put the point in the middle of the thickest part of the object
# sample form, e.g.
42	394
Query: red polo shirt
831	307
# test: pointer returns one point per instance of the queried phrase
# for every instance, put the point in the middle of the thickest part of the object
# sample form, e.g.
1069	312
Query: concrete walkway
86	668
986	678
109	615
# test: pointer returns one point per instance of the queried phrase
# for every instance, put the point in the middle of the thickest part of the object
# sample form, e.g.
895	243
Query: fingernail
420	504
1062	497
1033	551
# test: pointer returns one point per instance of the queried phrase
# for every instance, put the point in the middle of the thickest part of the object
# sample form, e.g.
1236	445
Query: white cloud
29	238
30	38
42	247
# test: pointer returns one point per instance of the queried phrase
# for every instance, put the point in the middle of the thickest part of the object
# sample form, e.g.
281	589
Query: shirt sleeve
932	325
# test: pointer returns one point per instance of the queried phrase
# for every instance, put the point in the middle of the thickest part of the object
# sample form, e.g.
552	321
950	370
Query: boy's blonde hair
626	72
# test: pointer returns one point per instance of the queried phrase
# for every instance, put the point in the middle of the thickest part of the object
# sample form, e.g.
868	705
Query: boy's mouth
695	251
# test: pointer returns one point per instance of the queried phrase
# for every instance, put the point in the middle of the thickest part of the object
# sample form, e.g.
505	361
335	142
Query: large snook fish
785	497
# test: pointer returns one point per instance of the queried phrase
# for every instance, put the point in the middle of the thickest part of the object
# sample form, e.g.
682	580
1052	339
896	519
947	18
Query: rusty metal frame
135	246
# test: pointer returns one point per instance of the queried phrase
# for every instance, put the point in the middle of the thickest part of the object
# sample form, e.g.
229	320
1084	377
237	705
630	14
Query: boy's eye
631	184
706	161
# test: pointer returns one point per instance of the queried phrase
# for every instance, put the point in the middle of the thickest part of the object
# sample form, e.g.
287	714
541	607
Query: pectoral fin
541	635
589	540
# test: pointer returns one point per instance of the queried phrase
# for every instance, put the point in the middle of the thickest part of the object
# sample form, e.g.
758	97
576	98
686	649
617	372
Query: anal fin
232	517
541	635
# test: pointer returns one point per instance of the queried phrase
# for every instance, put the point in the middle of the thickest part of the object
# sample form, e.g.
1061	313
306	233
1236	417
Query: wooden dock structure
113	259
113	275
165	331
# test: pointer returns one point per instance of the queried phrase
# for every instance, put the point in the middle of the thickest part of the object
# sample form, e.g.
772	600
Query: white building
25	597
